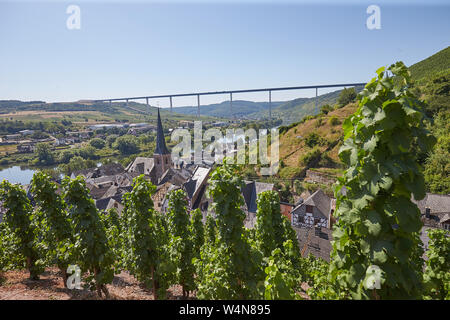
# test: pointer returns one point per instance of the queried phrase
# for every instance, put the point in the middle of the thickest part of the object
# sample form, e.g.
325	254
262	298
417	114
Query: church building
162	160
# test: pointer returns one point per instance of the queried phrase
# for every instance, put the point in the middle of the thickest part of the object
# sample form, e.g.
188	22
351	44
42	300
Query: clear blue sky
135	48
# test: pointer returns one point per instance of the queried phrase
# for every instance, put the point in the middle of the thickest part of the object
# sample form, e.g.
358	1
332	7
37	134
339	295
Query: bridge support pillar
270	105
231	105
198	105
315	102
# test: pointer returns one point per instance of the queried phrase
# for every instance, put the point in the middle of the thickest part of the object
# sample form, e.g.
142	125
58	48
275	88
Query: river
17	174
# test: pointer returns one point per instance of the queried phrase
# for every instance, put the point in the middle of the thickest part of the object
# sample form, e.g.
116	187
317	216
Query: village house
250	193
286	209
26	132
25	148
312	220
13	137
435	214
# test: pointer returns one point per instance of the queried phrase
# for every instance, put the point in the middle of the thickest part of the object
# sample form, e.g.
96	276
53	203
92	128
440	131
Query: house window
309	209
309	219
446	226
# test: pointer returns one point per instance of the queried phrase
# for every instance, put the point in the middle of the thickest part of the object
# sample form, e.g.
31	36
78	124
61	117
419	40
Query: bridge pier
270	105
231	105
170	104
198	106
315	102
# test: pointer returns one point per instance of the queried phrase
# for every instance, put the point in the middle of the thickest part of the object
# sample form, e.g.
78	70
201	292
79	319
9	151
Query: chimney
427	213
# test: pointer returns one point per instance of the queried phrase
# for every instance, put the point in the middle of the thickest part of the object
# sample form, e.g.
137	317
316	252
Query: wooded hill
314	142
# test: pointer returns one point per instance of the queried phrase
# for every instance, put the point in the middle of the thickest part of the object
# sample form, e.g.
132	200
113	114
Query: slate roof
175	176
198	177
161	147
109	169
319	200
319	243
438	203
102	204
114	190
141	165
250	192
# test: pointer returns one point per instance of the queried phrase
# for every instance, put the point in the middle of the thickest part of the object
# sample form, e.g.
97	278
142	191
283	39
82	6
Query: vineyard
376	249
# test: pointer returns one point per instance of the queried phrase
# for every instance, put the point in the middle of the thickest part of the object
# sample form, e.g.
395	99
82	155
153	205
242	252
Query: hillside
314	143
437	63
295	110
85	112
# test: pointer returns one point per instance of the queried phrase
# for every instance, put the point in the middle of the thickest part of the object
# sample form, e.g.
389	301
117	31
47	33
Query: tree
178	219
376	245
88	152
91	250
110	139
44	154
346	96
65	156
97	143
437	271
75	164
21	221
146	239
54	222
127	144
437	165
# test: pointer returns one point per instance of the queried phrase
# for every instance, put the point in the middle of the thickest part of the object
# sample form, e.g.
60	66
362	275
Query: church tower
161	156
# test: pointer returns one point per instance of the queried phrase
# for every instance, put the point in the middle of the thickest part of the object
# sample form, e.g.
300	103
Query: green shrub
311	158
346	96
97	143
313	139
334	121
326	108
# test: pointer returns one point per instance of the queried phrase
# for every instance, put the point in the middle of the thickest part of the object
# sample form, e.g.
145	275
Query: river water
17	174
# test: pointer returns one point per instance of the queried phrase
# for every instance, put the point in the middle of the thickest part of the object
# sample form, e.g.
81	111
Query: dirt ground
16	285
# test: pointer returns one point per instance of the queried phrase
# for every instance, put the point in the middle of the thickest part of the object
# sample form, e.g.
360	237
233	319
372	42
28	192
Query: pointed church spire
161	147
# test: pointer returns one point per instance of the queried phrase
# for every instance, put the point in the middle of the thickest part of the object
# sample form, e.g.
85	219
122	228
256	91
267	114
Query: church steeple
161	147
161	157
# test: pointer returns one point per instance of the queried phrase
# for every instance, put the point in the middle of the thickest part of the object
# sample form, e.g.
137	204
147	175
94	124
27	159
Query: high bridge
230	93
